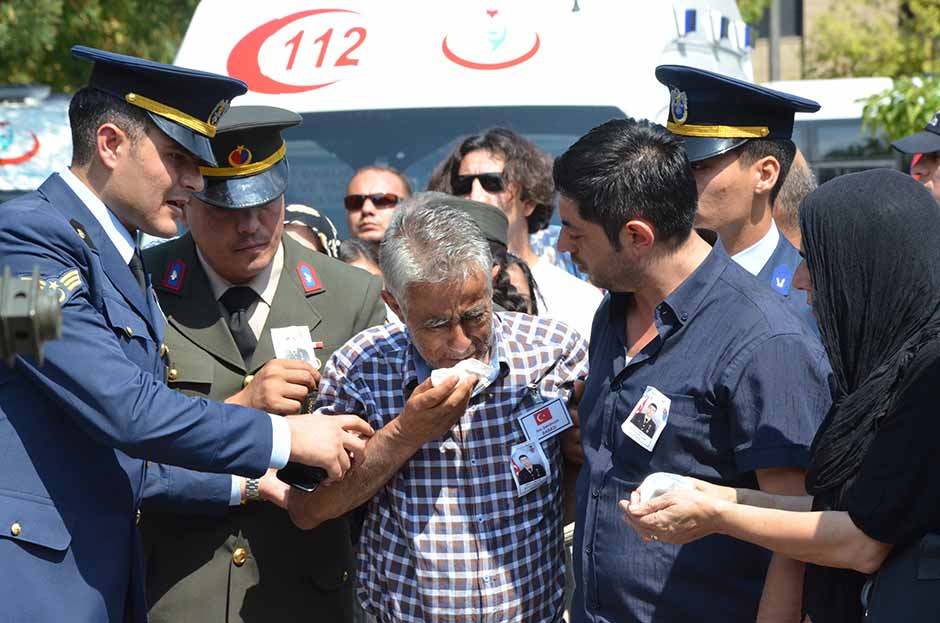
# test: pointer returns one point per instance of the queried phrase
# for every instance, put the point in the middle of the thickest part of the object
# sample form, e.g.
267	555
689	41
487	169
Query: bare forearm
781	601
763	499
385	453
828	538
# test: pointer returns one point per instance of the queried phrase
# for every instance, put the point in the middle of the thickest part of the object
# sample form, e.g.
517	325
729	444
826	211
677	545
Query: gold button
16	528
129	331
163	350
137	519
239	556
248	379
171	374
345	576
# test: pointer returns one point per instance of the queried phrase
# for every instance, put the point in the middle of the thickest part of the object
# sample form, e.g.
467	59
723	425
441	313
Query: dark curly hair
527	167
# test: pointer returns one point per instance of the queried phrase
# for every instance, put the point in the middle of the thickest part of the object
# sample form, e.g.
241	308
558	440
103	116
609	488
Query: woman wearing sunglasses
872	270
372	195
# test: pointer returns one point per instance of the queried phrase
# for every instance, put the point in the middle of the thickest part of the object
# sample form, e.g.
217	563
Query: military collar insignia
308	278
781	281
173	277
679	105
935	120
240	156
80	230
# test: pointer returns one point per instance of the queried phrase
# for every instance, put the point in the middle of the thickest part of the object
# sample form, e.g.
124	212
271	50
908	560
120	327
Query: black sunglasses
379	200
491	183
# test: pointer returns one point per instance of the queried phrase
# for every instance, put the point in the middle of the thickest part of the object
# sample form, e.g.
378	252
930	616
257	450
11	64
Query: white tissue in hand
659	483
462	370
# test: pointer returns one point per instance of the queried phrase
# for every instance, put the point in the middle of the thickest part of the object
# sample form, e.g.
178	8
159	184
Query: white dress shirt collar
264	283
755	257
115	230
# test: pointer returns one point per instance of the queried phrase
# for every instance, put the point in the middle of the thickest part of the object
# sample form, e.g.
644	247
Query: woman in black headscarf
872	270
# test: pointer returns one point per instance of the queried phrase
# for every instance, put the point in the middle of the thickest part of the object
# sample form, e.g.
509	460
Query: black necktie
137	269
237	301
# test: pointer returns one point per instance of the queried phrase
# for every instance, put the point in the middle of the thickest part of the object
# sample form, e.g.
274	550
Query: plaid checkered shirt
448	538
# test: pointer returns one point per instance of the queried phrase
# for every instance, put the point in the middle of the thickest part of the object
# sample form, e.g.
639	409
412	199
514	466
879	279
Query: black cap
714	113
251	154
924	142
320	224
491	220
186	104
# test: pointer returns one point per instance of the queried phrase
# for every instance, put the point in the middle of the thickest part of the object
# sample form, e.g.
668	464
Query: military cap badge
240	156
680	106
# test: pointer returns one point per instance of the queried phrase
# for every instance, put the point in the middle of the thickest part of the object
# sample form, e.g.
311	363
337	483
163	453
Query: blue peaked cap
184	103
715	113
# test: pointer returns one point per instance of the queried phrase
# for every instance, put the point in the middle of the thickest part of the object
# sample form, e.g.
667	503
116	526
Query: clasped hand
679	516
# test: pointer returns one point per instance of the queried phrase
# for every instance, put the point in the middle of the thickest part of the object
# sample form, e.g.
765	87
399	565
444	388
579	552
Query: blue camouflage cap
715	113
186	104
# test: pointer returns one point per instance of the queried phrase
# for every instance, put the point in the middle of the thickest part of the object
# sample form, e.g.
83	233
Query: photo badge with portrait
529	466
648	418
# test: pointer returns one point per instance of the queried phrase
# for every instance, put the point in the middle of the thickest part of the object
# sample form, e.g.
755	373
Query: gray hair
433	245
800	181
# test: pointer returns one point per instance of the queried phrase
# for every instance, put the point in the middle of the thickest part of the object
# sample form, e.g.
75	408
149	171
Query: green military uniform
251	563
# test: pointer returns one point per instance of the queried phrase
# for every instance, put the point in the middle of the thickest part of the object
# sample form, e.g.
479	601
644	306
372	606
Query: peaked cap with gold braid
715	113
185	104
252	168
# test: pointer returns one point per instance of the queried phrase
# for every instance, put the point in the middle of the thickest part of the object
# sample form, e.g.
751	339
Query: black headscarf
872	246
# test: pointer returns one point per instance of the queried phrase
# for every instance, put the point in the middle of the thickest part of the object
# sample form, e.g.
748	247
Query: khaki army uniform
250	563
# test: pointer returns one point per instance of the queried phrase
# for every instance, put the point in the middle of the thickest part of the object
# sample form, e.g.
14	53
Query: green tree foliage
36	35
752	10
900	40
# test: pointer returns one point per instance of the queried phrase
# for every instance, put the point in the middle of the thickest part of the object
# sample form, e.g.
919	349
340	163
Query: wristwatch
252	494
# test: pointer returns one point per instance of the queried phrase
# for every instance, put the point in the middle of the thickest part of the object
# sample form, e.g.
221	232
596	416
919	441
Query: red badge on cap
173	277
308	278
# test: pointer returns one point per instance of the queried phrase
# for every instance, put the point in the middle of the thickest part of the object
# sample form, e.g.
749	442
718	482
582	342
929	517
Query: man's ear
391	302
766	172
637	234
110	143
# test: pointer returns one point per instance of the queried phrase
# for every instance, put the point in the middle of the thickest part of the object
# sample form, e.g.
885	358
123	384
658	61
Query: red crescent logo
487	66
243	59
23	158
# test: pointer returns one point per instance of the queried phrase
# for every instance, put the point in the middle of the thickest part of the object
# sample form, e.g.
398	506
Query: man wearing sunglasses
925	147
505	170
372	195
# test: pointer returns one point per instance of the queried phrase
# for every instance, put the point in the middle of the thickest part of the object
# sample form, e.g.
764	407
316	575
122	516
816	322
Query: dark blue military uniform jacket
69	487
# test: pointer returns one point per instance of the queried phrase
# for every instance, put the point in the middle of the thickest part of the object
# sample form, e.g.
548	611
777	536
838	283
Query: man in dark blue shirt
739	382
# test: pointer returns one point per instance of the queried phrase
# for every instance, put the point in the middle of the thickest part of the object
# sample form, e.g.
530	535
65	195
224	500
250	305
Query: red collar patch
173	277
308	278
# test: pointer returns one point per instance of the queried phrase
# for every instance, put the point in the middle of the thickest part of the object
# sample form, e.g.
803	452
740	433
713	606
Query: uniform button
248	379
16	528
595	493
588	550
684	316
129	331
345	576
137	519
172	374
239	556
163	350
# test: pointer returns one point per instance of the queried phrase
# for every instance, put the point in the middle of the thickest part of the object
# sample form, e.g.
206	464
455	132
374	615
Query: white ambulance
398	82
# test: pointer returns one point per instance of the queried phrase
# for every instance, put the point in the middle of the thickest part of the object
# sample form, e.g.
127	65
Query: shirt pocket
32	519
686	443
129	327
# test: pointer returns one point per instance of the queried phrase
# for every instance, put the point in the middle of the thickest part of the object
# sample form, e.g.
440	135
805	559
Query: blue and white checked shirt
448	539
